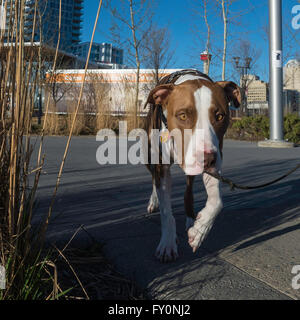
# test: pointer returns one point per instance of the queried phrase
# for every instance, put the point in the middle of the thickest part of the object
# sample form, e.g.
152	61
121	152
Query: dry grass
20	250
98	101
132	114
53	124
95	110
78	120
30	273
98	278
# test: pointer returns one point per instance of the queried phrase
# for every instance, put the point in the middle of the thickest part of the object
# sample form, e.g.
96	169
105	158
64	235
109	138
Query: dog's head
198	104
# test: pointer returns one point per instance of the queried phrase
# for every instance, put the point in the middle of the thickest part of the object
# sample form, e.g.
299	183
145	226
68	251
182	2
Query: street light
248	62
243	72
244	67
236	60
276	82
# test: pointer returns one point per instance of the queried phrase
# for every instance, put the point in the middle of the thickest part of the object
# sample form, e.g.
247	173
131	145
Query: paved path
249	253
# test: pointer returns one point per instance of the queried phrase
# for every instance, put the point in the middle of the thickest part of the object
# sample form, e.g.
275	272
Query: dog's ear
232	92
159	94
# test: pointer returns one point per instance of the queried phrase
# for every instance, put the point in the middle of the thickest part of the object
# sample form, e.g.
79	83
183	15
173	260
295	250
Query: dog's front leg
167	248
153	204
207	215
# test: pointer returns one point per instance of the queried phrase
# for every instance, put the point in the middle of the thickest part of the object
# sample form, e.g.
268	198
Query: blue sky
249	20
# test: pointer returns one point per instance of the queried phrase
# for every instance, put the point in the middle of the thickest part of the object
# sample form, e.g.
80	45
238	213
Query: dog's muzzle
210	159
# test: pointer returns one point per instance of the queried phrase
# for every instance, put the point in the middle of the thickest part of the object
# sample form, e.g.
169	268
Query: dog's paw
198	232
153	205
167	249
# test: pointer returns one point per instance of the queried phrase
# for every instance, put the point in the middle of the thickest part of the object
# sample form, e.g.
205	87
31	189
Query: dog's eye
182	116
219	117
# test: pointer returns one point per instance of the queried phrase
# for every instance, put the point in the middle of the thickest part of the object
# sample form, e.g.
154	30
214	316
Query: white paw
153	204
167	249
199	231
189	222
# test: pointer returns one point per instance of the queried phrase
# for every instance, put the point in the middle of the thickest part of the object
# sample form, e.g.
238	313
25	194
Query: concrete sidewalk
249	253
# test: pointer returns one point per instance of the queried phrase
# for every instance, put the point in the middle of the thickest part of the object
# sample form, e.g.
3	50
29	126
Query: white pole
276	82
275	62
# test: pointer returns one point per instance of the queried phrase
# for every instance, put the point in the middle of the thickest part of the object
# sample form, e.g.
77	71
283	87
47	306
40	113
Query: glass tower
47	21
104	53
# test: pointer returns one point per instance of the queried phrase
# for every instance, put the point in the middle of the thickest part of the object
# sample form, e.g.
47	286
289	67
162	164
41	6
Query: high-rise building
291	73
257	91
101	53
47	21
291	81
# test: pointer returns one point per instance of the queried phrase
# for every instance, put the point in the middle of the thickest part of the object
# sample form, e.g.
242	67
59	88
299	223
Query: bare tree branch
157	54
135	16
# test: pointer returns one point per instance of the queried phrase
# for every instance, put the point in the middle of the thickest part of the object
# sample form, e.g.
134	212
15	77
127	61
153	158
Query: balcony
74	27
75	34
77	21
77	13
78	7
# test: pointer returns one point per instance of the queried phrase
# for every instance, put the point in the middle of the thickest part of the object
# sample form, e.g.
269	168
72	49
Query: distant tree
207	46
130	25
209	38
225	5
201	11
157	54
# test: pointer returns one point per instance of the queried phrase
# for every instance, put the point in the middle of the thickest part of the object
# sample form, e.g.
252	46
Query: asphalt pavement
249	253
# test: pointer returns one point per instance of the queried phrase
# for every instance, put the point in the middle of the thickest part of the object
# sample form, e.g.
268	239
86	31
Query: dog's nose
210	159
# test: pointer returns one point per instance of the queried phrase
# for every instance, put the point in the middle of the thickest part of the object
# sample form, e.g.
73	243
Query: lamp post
276	82
243	73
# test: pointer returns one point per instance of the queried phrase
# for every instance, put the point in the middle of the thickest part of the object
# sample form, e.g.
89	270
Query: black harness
175	75
162	116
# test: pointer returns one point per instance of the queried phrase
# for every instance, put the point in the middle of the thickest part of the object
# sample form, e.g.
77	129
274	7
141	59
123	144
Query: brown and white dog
191	101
